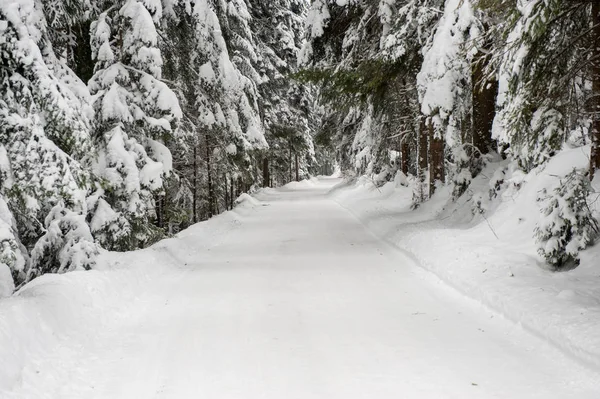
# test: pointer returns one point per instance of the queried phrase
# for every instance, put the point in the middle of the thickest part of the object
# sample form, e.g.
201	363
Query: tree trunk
226	192
159	209
422	158
404	156
195	187
231	196
211	194
296	166
595	100
265	172
484	106
291	163
436	168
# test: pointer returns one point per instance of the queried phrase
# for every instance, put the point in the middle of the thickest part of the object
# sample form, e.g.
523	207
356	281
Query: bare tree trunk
226	192
159	209
265	172
484	106
296	167
231	196
595	101
211	193
423	154
404	157
291	163
436	162
195	186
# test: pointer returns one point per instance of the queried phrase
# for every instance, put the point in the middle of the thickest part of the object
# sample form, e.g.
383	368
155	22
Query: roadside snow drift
290	297
485	248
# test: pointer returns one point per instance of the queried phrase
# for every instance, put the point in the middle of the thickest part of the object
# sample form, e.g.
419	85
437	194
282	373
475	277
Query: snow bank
246	200
298	185
54	309
485	248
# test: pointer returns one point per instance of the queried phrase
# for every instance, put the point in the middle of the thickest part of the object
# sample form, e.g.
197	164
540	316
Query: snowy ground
290	297
493	259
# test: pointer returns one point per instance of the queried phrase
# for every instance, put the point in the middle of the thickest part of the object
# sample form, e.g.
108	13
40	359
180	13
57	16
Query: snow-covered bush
567	224
67	244
12	261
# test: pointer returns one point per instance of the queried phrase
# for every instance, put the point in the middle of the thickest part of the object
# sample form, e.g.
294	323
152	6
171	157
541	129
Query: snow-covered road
300	301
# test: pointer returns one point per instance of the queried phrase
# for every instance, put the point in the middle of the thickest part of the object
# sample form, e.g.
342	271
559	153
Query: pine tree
135	115
277	28
541	54
44	131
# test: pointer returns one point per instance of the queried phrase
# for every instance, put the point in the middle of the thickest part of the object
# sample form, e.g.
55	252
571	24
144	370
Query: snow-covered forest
124	122
259	188
469	95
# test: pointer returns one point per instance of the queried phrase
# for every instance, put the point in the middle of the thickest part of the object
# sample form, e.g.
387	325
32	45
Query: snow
7	286
492	257
286	296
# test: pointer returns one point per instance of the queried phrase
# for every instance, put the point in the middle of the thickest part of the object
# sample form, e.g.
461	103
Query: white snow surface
493	258
287	296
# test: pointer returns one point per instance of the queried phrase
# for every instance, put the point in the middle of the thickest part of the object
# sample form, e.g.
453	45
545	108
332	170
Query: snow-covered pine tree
135	115
278	30
541	57
445	86
44	130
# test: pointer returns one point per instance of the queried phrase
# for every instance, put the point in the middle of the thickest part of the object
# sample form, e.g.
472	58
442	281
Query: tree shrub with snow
567	224
13	256
67	244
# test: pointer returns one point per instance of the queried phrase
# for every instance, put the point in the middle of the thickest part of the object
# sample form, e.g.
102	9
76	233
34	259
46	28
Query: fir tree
135	115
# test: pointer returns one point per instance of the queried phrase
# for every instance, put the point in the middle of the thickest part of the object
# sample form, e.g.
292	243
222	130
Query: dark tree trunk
595	101
296	166
195	186
211	193
291	164
423	150
226	192
436	168
404	156
159	205
484	106
231	196
265	172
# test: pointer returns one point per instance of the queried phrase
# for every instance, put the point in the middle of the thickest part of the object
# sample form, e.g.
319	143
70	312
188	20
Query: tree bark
296	167
195	186
226	192
595	100
422	157
404	157
484	106
436	168
211	193
265	172
291	163
159	205
231	196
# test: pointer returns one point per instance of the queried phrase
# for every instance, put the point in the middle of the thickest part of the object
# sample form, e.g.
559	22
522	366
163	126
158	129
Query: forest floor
288	296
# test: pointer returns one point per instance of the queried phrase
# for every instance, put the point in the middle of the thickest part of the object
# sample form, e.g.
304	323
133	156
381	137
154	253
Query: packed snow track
287	298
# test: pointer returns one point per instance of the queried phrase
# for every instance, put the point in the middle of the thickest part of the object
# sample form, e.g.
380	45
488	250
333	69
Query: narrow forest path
302	302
